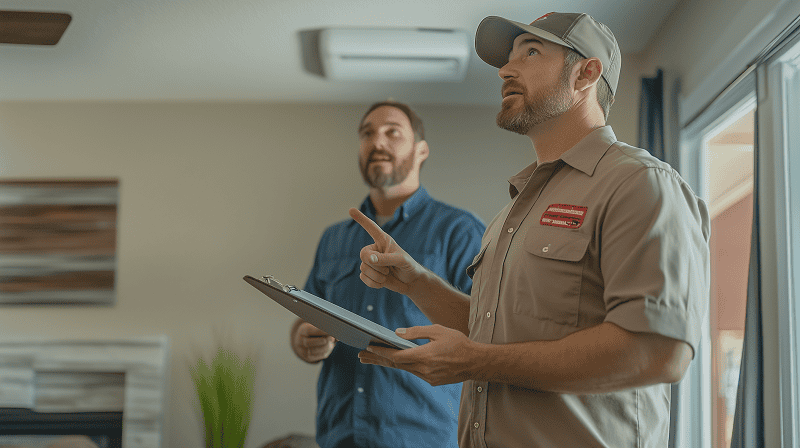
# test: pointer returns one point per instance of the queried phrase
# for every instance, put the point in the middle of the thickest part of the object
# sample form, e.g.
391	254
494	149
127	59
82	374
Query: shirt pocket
554	261
474	273
334	275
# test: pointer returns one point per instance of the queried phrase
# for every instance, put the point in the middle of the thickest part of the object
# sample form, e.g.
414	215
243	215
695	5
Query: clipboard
338	322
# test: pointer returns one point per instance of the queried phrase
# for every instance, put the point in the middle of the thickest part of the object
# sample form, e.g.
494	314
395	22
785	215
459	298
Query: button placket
521	206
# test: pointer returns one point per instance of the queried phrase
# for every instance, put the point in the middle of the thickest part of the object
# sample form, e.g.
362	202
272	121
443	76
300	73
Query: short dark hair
604	96
416	122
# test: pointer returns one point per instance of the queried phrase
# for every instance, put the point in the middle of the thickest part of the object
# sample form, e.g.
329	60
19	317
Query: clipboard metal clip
270	280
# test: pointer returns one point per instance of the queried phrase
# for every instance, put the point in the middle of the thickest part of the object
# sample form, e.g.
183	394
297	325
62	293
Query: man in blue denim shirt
363	405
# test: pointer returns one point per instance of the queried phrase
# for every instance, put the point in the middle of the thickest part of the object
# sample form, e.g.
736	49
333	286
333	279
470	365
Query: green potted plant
225	392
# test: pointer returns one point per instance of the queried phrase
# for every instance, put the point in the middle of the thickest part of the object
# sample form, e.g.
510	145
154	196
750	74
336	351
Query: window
717	159
761	111
728	152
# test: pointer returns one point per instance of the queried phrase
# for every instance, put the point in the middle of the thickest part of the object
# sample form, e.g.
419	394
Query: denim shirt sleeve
464	244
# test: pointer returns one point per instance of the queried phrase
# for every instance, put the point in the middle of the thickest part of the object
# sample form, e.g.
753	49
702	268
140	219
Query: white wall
211	192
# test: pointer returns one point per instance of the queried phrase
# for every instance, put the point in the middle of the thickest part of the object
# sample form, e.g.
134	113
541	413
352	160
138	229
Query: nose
507	71
377	141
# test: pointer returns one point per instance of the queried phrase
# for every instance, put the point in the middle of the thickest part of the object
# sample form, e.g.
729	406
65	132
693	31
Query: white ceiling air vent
399	54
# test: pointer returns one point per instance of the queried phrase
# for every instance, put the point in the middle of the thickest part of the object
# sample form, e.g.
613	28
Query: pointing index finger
369	225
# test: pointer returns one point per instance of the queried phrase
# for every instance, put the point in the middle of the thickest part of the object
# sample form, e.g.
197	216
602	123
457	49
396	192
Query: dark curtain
748	420
651	115
651	138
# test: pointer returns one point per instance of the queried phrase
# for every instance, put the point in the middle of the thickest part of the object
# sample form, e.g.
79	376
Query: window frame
695	416
779	87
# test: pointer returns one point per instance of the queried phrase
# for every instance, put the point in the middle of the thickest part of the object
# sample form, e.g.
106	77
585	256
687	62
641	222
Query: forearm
441	302
600	359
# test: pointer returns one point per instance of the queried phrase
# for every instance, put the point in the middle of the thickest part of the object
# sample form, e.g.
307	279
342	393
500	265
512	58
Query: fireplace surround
114	389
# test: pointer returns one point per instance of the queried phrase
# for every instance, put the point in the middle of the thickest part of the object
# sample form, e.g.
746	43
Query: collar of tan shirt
583	157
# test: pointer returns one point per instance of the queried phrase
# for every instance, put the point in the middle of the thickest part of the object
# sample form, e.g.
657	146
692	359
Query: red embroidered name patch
563	215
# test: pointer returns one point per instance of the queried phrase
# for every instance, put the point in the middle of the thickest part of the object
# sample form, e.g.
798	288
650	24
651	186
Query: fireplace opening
22	427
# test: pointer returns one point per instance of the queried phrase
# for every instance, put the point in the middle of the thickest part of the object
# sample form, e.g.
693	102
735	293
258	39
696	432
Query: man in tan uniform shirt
588	293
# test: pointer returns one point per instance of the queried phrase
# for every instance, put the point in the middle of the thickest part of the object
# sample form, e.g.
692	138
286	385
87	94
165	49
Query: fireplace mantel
127	375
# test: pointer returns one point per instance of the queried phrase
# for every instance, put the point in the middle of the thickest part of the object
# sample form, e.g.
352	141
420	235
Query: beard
536	110
376	177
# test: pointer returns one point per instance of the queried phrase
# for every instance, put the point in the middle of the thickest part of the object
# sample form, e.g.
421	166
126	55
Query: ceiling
249	50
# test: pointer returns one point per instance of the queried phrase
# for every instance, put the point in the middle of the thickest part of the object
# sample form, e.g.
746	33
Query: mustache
380	153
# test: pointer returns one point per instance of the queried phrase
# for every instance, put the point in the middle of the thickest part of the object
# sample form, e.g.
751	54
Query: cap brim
495	36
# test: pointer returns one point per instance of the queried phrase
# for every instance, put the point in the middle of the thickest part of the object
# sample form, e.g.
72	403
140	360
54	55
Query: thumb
383	259
413	333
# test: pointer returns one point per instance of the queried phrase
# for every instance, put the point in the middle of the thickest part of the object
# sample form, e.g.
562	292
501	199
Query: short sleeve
654	248
464	245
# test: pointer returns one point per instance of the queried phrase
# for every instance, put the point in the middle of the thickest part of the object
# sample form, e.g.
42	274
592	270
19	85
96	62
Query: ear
422	150
589	74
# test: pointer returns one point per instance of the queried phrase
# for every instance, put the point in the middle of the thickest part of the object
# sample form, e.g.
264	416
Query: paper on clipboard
344	325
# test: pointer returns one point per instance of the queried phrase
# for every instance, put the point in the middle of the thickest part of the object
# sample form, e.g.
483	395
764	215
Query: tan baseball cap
494	39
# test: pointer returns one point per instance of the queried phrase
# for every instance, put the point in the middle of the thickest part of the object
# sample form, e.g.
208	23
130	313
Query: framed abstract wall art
58	241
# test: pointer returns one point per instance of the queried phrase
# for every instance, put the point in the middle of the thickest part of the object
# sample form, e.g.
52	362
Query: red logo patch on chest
563	215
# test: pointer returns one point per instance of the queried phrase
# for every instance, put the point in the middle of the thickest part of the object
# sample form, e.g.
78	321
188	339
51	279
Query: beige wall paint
701	36
624	114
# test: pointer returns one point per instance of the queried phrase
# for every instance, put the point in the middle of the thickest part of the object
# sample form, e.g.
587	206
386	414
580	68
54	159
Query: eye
365	134
393	132
533	51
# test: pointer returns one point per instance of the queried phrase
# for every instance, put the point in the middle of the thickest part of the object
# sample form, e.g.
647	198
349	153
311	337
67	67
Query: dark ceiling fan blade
32	28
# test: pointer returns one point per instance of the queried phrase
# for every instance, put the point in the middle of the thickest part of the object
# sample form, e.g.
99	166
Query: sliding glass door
720	151
750	134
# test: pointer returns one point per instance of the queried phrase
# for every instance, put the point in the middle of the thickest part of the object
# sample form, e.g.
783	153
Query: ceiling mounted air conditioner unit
399	54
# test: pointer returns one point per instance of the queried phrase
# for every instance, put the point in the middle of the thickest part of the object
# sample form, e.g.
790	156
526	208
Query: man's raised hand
384	264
